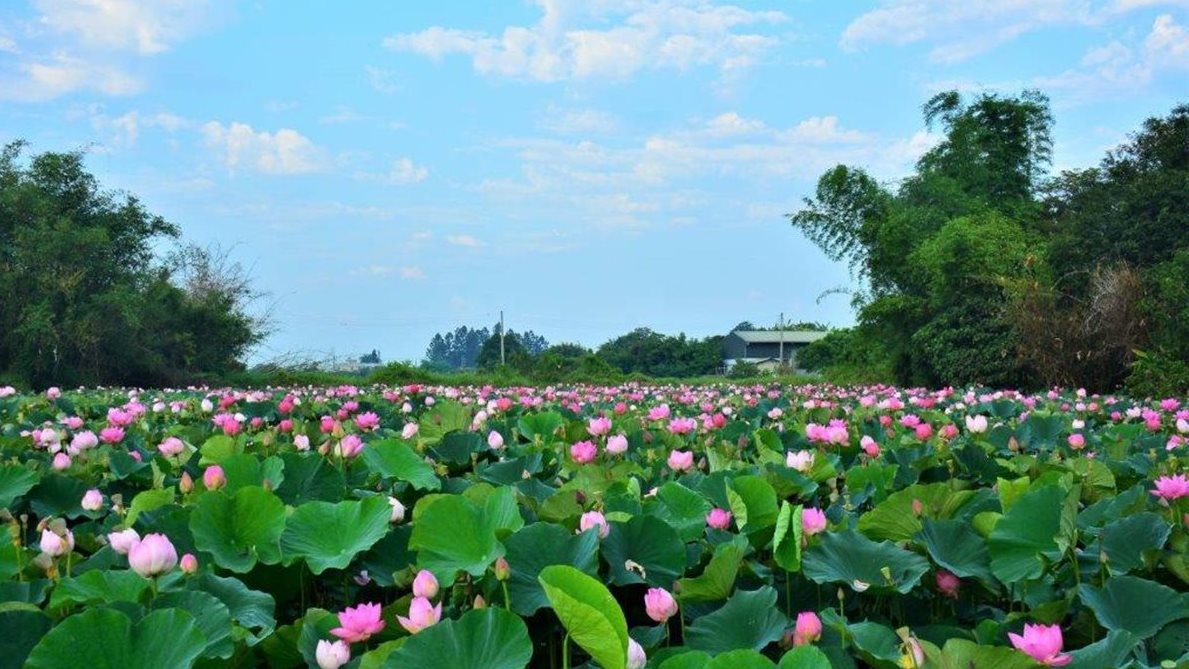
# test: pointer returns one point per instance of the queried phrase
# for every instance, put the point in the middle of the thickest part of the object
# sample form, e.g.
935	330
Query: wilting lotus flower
55	544
409	430
598	426
976	424
92	500
719	519
359	622
422	614
495	440
680	461
171	446
948	583
398	510
617	444
332	655
660	605
425	584
123	541
1043	643
591	519
583	452
1169	488
637	658
188	564
214	478
153	555
802	461
807	629
812	521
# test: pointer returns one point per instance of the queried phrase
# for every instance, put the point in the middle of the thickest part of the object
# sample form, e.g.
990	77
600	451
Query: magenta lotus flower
359	623
188	564
171	446
153	555
332	655
719	519
1169	488
123	541
807	629
597	427
680	461
425	584
92	500
812	521
55	544
495	440
367	421
1043	643
111	435
422	614
948	583
659	604
214	478
869	446
584	452
637	658
594	519
617	444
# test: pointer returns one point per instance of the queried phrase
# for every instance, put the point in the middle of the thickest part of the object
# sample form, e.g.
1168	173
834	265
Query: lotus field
631	526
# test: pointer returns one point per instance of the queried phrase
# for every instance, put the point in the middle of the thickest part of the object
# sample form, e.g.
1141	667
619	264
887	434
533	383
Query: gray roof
775	336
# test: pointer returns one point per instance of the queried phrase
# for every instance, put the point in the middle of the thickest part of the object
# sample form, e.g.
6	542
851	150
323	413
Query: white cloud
381	79
8	44
670	34
47	78
284	152
959	30
463	240
578	121
405	172
374	270
342	115
412	273
143	26
731	123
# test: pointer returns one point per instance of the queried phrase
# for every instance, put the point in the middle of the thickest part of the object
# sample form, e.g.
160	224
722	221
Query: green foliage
654	354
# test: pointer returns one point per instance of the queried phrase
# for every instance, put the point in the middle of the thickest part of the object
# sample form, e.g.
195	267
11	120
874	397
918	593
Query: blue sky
392	169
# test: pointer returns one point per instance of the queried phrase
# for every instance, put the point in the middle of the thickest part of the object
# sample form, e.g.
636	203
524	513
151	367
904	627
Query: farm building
770	350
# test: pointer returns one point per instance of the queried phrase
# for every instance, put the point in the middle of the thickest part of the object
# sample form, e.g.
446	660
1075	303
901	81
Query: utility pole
502	361
782	340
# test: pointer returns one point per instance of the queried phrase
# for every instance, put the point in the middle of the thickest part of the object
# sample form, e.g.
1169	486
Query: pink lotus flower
1169	488
422	614
409	430
171	446
637	658
949	431
1043	643
61	462
807	629
948	583
72	422
153	555
367	421
583	452
349	446
680	461
359	623
425	584
682	425
214	478
812	521
92	500
495	440
801	461
55	544
617	444
870	447
1076	441
592	519
660	412
53	393
84	440
598	426
332	655
719	519
286	425
111	435
924	431
123	541
188	564
659	604
301	442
